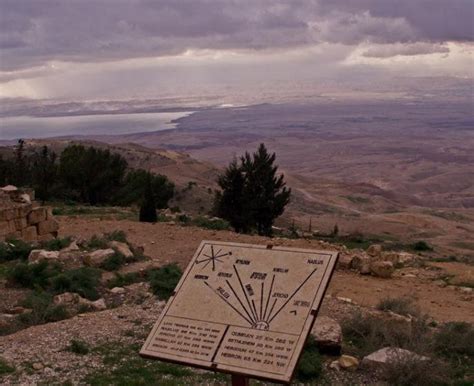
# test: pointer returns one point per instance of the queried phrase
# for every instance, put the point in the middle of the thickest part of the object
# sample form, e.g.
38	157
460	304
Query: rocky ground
100	346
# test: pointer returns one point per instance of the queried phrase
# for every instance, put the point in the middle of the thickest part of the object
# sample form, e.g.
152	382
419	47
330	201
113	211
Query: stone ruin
22	218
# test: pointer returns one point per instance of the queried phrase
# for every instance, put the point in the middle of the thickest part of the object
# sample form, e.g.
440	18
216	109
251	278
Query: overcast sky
106	49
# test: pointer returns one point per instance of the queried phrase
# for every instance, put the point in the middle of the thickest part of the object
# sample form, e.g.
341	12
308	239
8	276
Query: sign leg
240	380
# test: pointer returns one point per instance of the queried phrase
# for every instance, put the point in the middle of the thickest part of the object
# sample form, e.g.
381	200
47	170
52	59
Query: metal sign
243	309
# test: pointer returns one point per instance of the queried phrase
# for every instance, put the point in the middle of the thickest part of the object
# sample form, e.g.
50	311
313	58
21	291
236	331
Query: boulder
73	302
121	248
72	259
25	197
388	355
97	257
99	305
406	258
29	234
348	362
393	257
37	215
328	335
344	261
37	255
48	226
361	263
382	269
375	250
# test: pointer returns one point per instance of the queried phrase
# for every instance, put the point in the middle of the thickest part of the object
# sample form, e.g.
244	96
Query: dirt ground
166	242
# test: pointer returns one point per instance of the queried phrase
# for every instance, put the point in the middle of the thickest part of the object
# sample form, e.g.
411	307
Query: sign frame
300	341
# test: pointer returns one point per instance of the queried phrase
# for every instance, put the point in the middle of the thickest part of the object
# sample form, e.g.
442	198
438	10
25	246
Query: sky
117	49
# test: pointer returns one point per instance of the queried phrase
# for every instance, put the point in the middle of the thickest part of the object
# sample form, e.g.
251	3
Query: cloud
420	48
33	33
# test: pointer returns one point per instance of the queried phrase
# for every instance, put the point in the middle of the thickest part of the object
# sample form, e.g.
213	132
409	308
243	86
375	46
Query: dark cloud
33	32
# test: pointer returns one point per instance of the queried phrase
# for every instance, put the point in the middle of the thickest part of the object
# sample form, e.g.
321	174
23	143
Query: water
43	127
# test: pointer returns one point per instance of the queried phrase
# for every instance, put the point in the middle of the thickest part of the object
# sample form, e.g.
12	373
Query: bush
56	244
163	280
42	309
97	242
455	339
5	368
78	347
83	281
413	371
35	276
116	236
310	364
113	262
14	249
421	246
122	280
401	306
366	334
217	224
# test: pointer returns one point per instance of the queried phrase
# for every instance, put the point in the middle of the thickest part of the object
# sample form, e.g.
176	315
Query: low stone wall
22	219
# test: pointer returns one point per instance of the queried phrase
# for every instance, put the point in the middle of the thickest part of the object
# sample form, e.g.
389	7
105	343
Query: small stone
375	250
37	366
99	305
382	269
345	300
465	290
348	362
96	258
335	365
118	290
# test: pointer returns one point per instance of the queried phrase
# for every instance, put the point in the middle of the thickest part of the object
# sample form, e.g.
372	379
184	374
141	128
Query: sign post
243	309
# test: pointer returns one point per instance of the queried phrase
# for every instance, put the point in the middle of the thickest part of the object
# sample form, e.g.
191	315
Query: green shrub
217	224
97	242
56	244
121	280
83	281
116	236
78	347
163	280
42	309
14	249
455	339
310	364
401	306
114	262
5	368
365	334
183	219
33	276
421	246
408	371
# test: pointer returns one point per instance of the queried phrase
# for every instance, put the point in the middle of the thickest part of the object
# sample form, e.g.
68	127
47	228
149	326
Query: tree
94	174
253	195
21	174
44	172
230	204
148	207
134	185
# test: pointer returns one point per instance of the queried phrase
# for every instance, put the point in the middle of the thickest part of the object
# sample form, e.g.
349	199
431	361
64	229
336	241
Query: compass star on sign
214	258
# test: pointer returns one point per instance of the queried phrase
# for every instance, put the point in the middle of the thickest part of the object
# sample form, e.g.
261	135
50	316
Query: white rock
9	188
118	290
328	335
96	258
121	248
37	255
389	355
99	305
25	198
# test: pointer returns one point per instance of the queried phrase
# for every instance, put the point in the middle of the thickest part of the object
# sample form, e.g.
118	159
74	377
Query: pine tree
148	207
253	196
20	176
44	173
230	204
